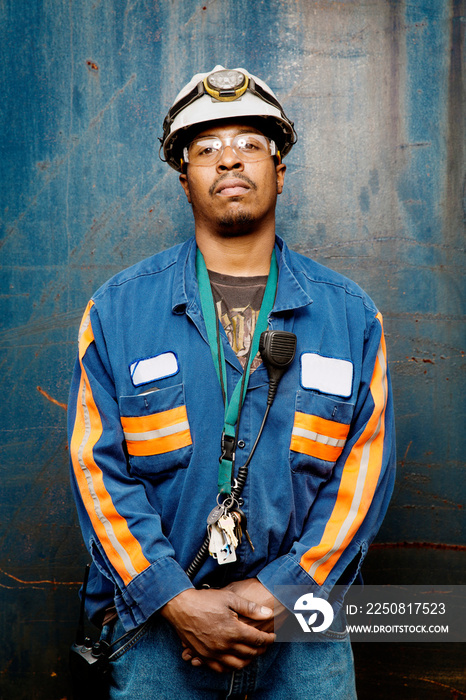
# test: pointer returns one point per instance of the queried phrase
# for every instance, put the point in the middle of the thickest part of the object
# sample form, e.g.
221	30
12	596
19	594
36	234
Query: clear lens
248	147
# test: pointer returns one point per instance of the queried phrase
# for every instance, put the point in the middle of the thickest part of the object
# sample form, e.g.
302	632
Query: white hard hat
223	94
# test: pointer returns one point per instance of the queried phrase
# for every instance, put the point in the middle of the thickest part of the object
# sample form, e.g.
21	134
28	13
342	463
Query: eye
205	148
252	143
247	144
206	151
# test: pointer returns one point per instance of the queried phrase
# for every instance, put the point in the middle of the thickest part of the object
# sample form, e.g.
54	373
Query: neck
242	256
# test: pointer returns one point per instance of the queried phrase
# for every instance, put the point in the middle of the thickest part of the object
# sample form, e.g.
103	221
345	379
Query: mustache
237	176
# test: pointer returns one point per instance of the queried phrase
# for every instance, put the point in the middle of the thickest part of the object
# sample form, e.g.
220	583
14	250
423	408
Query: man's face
233	197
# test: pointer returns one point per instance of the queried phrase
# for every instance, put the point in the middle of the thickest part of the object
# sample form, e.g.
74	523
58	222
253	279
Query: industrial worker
192	507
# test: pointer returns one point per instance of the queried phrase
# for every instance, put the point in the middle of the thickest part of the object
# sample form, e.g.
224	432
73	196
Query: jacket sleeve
120	528
350	506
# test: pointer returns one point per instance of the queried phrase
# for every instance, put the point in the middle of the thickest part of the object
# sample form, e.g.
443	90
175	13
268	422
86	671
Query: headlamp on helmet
226	85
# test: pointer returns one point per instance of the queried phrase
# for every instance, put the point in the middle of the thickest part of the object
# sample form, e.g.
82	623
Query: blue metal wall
373	189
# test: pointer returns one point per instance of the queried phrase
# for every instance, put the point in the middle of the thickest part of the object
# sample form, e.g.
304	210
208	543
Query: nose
229	160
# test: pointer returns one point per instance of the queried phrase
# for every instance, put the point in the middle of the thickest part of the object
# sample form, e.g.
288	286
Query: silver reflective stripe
84	326
161	432
364	468
316	437
90	484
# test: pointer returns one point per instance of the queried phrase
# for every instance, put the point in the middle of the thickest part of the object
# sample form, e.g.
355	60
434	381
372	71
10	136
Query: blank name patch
153	368
326	374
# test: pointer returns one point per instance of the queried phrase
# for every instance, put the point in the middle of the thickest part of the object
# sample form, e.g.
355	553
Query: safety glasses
247	147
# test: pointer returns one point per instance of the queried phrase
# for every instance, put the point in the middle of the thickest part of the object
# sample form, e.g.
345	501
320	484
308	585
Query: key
244	525
238	529
249	540
227	523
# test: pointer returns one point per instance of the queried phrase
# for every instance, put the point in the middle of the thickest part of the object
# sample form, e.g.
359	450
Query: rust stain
402	463
35	583
50	398
419	545
441	685
92	66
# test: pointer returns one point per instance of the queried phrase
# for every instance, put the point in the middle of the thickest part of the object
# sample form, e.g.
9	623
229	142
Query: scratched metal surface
374	189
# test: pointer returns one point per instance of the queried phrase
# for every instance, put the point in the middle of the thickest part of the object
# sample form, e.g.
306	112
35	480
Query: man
159	439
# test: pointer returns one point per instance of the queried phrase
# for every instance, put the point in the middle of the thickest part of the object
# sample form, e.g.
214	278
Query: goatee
237	224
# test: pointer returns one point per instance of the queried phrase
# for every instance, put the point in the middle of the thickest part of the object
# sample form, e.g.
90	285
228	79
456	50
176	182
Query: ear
280	171
185	185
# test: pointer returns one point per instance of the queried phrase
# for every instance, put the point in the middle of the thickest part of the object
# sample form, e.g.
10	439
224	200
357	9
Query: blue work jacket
145	421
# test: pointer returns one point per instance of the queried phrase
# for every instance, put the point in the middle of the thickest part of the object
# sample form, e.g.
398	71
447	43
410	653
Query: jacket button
241	444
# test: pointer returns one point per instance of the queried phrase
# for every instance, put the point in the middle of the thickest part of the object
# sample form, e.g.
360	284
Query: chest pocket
156	429
320	429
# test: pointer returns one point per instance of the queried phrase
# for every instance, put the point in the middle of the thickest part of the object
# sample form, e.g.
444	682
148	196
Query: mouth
233	187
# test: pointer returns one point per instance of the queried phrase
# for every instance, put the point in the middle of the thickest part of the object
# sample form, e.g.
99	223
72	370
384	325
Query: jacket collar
185	287
290	293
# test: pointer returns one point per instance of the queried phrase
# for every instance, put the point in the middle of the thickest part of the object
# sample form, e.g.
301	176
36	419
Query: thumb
247	608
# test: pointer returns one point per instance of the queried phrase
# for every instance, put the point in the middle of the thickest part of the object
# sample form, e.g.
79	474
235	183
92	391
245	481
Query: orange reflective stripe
154	421
157	433
318	437
358	482
321	425
120	545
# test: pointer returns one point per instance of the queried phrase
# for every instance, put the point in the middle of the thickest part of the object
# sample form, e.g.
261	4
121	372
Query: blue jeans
147	665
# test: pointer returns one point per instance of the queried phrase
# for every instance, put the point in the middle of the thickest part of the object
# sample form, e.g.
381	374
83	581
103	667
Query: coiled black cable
236	491
277	349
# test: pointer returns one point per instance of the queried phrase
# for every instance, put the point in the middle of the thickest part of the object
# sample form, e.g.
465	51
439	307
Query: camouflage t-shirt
238	301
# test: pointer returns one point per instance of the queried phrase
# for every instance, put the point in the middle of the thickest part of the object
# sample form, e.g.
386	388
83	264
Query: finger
227	664
218	667
264	625
247	608
253	637
242	651
187	654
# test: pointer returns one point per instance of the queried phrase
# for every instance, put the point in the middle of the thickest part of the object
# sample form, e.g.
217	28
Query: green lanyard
232	407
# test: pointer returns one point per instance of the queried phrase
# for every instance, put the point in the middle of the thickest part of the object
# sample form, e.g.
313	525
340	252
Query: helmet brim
266	125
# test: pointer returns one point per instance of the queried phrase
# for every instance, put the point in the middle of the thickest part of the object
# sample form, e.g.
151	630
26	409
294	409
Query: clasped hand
223	628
